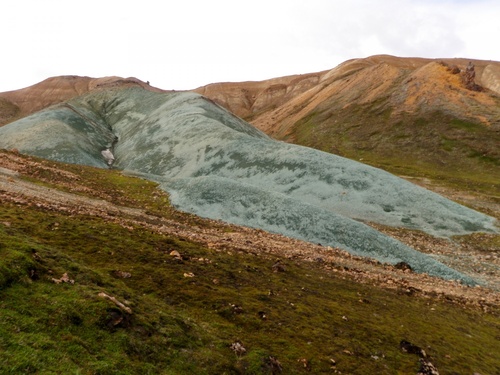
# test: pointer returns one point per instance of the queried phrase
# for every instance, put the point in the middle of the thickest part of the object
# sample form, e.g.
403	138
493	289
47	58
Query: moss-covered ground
454	152
187	310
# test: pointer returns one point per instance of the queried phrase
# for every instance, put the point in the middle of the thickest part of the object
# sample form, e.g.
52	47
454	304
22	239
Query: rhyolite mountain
414	117
216	165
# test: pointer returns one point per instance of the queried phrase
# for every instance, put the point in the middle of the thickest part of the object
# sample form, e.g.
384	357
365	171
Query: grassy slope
457	153
418	122
186	325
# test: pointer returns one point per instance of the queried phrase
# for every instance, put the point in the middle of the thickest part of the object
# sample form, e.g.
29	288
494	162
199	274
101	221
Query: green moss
465	125
451	151
186	325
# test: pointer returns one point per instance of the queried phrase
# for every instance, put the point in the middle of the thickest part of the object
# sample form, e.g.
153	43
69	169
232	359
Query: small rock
238	348
236	309
427	368
64	279
304	363
122	274
278	267
274	365
403	266
408	347
116	302
188	274
176	255
114	318
33	274
453	69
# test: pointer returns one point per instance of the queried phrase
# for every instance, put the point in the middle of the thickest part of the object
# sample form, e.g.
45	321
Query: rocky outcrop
469	77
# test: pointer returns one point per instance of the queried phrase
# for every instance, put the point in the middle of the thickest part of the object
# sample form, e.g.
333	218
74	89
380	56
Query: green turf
185	325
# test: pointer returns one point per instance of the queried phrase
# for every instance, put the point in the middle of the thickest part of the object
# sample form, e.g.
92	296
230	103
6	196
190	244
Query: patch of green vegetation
487	243
448	144
454	152
465	125
302	317
111	185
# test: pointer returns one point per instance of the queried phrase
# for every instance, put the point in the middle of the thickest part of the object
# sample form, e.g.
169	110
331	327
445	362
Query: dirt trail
230	238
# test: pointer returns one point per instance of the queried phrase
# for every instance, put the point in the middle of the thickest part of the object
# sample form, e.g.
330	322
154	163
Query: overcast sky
184	44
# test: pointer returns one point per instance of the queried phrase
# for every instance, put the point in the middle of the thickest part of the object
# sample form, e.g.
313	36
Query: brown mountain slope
23	102
275	105
412	116
253	99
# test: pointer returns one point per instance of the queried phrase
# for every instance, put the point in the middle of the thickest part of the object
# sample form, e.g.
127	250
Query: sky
185	44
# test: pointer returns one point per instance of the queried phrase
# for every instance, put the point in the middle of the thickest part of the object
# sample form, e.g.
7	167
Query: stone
427	368
238	348
116	302
469	77
122	274
64	279
176	255
410	348
278	267
403	266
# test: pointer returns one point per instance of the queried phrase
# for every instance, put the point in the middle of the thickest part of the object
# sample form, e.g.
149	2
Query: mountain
100	273
215	165
411	116
20	103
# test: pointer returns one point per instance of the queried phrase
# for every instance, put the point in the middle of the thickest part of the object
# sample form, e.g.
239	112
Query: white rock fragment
108	156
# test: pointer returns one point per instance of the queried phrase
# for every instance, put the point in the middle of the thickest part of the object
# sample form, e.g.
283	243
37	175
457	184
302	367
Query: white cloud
185	44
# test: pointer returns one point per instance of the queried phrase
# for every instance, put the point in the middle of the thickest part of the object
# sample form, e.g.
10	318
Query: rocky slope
215	165
98	274
23	102
386	111
414	117
414	85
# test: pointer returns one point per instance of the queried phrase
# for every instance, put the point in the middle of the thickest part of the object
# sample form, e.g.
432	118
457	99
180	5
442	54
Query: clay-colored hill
20	103
412	116
275	105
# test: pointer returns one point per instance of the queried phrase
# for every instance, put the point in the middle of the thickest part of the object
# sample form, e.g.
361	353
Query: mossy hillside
456	152
186	324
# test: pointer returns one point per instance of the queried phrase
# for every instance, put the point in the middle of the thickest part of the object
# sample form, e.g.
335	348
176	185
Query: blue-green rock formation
216	165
